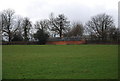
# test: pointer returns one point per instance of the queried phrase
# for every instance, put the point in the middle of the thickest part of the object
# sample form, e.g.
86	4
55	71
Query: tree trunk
60	33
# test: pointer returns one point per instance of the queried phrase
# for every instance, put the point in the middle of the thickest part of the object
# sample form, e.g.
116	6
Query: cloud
75	10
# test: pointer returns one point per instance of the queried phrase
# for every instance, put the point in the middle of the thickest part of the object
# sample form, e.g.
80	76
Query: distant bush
41	37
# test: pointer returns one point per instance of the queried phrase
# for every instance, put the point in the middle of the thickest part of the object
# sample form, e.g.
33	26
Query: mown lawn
60	61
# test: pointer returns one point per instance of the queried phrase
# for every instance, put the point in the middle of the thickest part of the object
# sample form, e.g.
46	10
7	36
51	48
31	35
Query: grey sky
75	10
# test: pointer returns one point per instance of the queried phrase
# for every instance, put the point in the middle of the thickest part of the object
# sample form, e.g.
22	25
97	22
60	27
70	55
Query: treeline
15	28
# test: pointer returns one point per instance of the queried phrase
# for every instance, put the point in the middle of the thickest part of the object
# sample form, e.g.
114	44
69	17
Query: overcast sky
75	10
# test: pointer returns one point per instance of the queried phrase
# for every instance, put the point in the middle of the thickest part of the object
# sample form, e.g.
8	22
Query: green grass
60	61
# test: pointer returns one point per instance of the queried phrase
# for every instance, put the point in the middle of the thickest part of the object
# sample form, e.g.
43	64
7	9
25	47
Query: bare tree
77	30
99	26
41	35
17	36
59	24
114	34
43	25
0	28
7	23
26	25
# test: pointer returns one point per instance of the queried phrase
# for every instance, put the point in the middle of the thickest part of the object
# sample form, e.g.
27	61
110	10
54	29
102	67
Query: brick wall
66	42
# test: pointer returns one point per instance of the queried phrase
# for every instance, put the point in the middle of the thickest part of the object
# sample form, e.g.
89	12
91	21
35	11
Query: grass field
60	61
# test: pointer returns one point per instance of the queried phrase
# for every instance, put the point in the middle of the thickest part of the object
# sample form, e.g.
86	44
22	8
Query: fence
62	41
